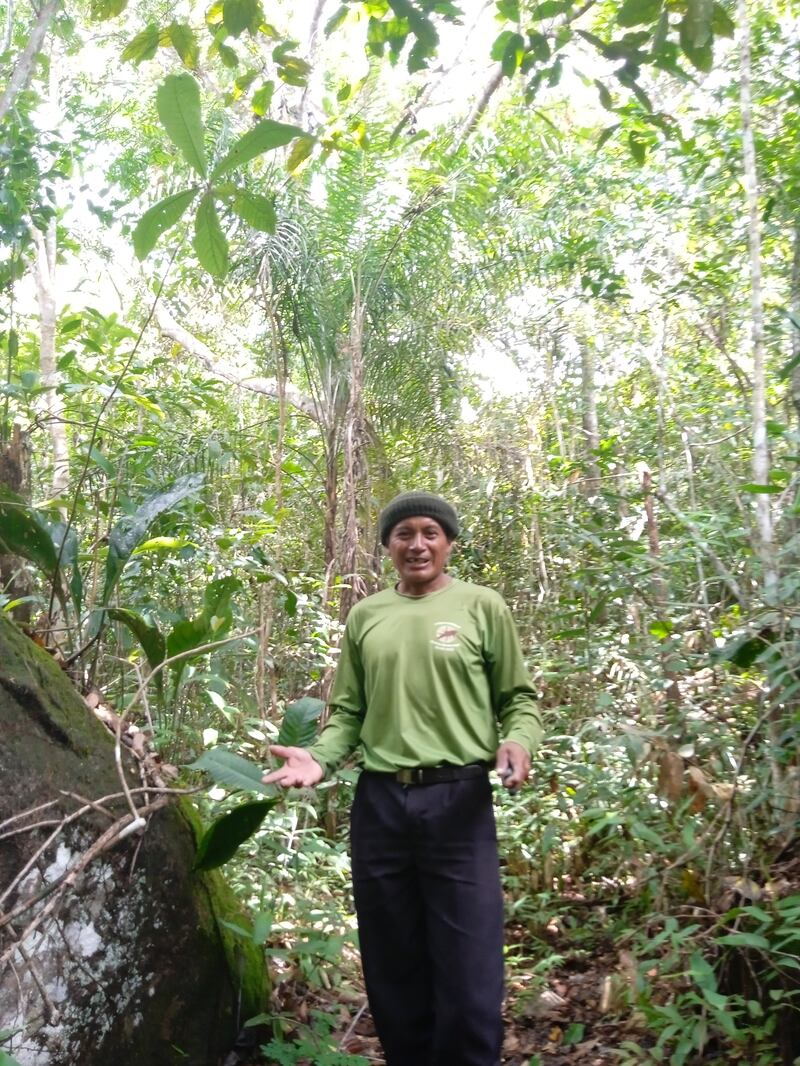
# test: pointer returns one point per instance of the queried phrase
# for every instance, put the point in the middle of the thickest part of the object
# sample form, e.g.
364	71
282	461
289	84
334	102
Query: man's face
420	550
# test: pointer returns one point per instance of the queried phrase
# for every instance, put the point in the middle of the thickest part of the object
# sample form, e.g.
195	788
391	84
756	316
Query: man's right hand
299	770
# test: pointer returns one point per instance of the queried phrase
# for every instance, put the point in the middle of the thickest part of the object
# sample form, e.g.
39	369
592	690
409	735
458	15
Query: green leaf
178	105
721	23
261	138
229	769
7	1060
762	490
25	532
702	58
185	43
158	219
660	628
131	529
639	12
607	133
744	940
512	55
143	46
241	15
606	98
262	927
211	624
336	19
573	1034
210	242
637	147
699	15
301	150
69	558
262	98
298	728
703	972
550	8
257	211
227	54
149	636
100	10
223	838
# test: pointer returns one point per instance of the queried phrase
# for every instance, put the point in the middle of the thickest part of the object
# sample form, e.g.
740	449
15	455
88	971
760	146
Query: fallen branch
171	329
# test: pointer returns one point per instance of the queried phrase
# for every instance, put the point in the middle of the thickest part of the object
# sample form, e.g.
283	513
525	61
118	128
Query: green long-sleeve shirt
429	680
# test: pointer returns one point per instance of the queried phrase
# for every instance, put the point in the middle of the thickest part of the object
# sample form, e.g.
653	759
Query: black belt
435	775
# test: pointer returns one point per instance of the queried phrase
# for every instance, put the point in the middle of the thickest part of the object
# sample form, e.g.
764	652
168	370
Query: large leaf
25	531
149	636
299	728
211	624
143	46
229	769
257	211
210	243
158	219
639	12
107	9
178	104
131	529
241	15
69	558
184	42
261	138
222	839
699	15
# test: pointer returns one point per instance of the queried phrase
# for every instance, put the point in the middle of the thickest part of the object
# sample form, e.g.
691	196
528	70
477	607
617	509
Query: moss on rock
136	964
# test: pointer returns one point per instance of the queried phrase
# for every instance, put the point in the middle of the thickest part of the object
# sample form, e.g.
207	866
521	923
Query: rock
132	966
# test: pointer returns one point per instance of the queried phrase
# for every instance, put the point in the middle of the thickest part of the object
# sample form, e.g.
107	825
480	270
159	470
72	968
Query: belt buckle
413	775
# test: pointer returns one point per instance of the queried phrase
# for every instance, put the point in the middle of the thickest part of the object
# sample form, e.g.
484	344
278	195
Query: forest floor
572	1015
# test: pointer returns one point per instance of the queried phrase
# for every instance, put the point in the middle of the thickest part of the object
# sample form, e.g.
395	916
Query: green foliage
265	136
158	219
131	529
222	839
210	243
298	728
229	769
25	531
178	103
213	622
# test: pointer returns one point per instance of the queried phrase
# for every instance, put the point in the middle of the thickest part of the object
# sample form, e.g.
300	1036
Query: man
427	671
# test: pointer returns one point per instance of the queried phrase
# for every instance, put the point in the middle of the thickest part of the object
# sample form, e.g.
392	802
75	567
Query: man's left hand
513	763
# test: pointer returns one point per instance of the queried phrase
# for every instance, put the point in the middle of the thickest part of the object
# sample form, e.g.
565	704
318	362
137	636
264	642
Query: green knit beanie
417	504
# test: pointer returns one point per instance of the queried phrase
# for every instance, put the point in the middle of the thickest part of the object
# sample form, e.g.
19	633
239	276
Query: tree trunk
15	581
591	432
761	460
45	273
794	326
355	469
26	61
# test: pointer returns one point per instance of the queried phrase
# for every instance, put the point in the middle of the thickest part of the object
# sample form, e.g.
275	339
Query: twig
90	805
24	814
728	810
116	832
28	828
53	1015
351	1027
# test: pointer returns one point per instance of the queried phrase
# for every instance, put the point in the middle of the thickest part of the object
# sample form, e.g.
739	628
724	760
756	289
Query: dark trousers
430	918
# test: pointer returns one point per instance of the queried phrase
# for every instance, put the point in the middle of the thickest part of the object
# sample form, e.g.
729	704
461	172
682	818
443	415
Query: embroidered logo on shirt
445	636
